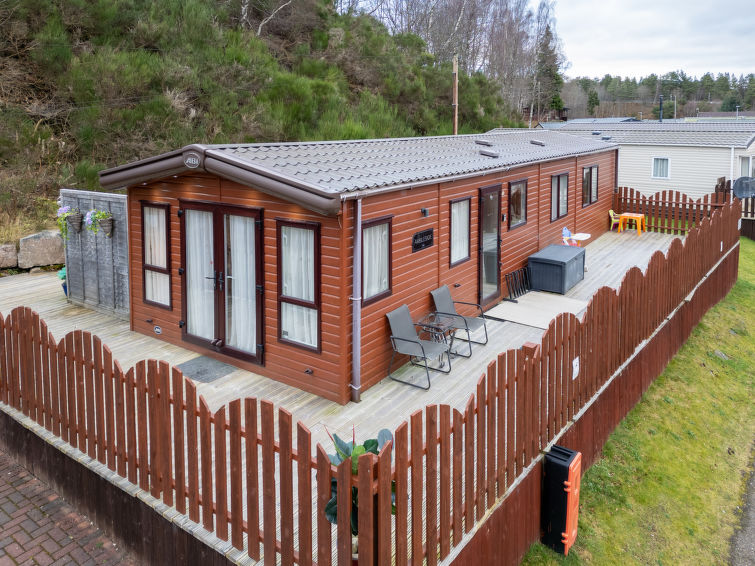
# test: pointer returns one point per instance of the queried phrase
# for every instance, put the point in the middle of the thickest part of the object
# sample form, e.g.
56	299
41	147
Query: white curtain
594	180
660	167
375	260
200	272
298	323
156	285
554	198
459	230
744	166
564	193
241	281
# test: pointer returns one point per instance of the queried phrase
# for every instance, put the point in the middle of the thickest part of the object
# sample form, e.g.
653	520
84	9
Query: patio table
638	218
440	328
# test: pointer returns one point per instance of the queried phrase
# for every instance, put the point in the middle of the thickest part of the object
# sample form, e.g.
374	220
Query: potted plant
96	219
352	451
68	217
64	282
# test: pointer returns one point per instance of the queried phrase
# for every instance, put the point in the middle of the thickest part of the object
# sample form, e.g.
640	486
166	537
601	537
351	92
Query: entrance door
222	279
490	244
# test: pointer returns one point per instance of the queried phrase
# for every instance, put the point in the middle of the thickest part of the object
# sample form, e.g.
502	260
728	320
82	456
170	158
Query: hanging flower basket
96	219
74	221
106	224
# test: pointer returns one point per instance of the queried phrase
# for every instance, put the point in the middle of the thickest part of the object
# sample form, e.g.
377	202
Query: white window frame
668	168
458	234
750	166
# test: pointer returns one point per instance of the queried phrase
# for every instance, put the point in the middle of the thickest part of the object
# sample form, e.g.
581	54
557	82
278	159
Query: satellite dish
744	187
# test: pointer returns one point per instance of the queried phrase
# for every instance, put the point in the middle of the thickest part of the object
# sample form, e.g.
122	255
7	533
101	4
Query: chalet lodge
246	252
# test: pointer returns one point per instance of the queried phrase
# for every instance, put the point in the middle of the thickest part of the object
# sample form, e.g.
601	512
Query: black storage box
557	268
562	471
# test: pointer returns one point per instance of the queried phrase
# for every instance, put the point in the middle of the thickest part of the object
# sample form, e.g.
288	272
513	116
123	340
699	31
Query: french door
489	265
222	278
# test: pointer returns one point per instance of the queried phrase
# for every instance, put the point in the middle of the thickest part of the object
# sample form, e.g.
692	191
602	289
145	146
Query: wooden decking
385	405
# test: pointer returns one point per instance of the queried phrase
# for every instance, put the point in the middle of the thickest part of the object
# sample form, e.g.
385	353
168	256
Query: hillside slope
90	84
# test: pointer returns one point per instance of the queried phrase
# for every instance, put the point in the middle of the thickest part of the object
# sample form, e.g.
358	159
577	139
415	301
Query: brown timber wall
462	479
414	275
282	362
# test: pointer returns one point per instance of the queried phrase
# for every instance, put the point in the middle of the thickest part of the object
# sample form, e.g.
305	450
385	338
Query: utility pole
456	94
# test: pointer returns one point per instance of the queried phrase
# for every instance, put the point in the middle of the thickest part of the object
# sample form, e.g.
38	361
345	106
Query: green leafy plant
93	217
62	219
352	451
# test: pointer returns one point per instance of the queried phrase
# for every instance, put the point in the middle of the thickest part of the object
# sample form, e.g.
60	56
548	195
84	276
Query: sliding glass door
222	278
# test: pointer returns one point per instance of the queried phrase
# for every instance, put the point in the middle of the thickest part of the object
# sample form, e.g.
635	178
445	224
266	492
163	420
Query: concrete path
743	542
37	527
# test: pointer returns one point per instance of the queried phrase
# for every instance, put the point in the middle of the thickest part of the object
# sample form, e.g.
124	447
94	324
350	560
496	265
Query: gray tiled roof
707	134
343	166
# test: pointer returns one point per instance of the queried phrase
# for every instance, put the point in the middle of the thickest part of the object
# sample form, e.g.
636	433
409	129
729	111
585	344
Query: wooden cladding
324	372
239	473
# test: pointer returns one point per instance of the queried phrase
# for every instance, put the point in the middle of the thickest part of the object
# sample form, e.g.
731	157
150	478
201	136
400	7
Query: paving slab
38	527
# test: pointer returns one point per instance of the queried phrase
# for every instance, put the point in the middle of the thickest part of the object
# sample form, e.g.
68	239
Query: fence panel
149	425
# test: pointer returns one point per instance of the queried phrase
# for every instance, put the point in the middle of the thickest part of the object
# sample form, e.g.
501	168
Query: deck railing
669	212
748	207
241	475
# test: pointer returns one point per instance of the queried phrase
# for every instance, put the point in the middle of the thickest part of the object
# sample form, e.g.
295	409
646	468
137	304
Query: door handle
214	281
220	280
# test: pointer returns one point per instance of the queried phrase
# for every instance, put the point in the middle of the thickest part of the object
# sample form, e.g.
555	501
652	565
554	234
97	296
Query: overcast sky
639	37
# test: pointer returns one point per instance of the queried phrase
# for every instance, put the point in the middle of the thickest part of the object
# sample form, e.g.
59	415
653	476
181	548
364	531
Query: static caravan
246	252
675	156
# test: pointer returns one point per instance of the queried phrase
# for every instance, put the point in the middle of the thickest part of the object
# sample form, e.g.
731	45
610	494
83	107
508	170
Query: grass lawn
671	482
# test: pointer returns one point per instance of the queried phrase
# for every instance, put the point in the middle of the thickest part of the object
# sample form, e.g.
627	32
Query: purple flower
88	218
63	210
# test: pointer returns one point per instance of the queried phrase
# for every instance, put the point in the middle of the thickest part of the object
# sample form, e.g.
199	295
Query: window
517	204
589	185
559	195
376	259
459	231
744	166
660	168
156	254
299	283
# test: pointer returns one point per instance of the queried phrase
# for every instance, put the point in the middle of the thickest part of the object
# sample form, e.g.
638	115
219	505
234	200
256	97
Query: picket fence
241	475
669	212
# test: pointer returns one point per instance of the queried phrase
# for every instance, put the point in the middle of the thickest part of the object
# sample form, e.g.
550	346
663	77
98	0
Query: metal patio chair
405	340
446	306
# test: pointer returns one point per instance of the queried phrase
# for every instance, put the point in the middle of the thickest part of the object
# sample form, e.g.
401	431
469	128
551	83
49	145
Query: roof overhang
194	158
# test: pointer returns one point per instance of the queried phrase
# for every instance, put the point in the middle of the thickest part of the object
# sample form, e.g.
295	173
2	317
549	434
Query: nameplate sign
422	240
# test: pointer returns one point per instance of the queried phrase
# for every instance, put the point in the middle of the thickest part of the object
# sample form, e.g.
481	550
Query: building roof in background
561	125
728	134
730	115
334	168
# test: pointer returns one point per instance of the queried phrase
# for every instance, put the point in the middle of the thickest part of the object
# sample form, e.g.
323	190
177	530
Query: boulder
8	256
43	248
